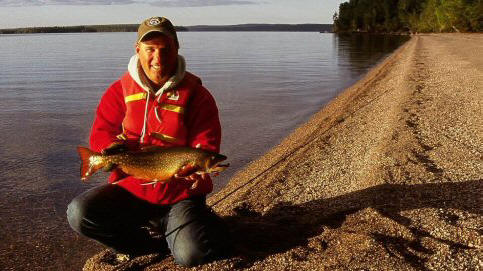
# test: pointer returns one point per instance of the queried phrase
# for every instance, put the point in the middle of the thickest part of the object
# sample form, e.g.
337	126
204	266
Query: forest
77	29
409	16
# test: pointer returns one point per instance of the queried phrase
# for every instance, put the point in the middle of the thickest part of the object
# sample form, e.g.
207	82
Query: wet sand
388	176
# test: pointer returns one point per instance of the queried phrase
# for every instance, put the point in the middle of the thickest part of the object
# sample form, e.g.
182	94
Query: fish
157	164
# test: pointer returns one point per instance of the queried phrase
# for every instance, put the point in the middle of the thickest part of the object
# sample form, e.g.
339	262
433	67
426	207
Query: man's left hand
188	173
197	179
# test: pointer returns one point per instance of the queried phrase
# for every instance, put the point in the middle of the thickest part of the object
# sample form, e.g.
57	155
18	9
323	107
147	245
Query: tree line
387	16
77	29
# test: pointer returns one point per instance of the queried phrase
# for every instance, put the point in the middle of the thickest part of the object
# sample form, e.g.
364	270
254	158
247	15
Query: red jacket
185	115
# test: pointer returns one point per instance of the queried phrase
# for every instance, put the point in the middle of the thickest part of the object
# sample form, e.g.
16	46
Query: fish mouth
217	168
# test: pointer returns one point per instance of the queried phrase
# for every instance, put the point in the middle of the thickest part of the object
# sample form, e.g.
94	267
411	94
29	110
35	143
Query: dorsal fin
152	148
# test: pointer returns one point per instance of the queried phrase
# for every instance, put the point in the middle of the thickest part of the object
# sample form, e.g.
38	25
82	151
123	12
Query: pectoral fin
109	167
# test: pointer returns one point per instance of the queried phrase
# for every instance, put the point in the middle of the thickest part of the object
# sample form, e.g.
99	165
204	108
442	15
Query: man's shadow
286	226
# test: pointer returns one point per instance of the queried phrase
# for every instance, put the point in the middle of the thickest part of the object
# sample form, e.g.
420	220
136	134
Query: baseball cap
157	24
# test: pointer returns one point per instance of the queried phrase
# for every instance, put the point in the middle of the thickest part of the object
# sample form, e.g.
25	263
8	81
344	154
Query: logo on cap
154	21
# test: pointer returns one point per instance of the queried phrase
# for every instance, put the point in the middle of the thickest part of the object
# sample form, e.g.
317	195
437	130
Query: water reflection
358	52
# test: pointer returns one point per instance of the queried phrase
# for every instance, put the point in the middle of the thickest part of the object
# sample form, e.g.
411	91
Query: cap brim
151	31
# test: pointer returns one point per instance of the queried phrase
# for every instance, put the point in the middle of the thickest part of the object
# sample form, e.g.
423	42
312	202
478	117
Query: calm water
265	84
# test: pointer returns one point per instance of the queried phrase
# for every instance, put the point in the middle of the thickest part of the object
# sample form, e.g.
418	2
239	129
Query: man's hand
188	173
197	180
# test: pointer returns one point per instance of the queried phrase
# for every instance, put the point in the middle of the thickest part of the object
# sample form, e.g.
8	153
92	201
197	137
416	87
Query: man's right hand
114	148
188	173
185	172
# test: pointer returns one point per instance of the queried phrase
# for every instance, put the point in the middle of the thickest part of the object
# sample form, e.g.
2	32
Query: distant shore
387	176
194	28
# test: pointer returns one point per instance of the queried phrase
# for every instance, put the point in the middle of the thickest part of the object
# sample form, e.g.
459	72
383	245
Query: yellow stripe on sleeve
173	108
135	97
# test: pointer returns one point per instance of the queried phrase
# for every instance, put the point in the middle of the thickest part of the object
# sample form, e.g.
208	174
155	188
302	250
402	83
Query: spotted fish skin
153	163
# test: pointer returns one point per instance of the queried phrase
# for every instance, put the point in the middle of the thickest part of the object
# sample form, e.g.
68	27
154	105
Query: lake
265	84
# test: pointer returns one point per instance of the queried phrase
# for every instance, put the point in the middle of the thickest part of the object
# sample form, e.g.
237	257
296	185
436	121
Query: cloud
159	3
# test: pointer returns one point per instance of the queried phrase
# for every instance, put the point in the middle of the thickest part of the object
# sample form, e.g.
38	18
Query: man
158	103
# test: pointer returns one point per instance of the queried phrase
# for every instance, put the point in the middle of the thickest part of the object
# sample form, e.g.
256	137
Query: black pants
116	218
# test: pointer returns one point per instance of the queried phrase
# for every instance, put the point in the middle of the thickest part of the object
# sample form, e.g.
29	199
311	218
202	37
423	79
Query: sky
27	13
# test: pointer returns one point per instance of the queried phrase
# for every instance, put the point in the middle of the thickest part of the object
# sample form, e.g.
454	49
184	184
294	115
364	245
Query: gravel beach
387	176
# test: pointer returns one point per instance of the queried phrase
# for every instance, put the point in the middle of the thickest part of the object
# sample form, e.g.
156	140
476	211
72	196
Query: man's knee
194	245
189	254
195	235
194	253
75	215
83	205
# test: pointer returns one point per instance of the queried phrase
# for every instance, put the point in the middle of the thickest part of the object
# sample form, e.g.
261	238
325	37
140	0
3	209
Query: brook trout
156	164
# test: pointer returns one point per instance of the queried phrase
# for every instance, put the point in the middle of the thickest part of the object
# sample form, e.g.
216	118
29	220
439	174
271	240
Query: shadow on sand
286	226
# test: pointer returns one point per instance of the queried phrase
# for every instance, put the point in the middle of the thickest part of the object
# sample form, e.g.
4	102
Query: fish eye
212	158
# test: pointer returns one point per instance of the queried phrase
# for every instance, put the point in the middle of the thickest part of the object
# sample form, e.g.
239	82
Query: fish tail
88	167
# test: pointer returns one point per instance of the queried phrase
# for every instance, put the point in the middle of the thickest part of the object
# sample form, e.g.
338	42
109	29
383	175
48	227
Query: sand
387	176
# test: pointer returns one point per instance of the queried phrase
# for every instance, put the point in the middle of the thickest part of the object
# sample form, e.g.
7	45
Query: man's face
157	56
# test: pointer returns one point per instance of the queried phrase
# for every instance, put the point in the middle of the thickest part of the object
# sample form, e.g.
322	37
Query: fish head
213	163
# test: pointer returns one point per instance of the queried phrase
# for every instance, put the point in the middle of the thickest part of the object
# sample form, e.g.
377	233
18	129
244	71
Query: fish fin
153	182
86	168
109	167
148	183
218	168
152	148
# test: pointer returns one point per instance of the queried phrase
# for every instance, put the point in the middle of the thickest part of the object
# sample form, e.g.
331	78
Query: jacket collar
170	84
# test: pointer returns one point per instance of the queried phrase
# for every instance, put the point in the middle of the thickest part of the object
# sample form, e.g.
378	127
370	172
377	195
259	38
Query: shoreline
387	176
